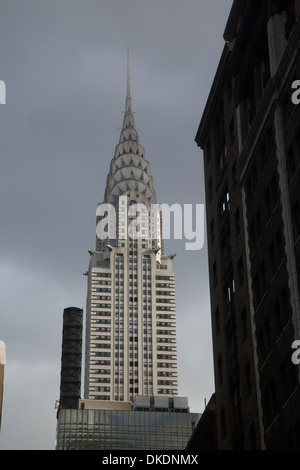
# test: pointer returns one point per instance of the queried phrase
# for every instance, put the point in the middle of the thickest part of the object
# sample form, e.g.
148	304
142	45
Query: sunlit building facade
131	325
130	375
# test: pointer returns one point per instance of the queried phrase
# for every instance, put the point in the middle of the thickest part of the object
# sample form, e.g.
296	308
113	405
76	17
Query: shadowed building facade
250	135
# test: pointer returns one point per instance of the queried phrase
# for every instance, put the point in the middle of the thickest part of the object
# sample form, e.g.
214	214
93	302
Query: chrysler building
130	314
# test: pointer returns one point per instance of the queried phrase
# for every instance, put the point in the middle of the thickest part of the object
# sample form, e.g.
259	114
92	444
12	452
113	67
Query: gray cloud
64	65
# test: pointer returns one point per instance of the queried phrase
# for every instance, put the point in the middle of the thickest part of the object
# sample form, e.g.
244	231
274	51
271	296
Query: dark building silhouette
250	136
204	436
70	378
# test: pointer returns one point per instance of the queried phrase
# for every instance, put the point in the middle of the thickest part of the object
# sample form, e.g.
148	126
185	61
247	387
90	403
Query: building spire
128	107
128	72
129	168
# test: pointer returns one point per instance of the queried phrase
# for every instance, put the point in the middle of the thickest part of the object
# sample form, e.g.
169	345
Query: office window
225	204
215	280
220	370
237	221
241	271
210	189
288	377
248	380
217	321
244	323
212	231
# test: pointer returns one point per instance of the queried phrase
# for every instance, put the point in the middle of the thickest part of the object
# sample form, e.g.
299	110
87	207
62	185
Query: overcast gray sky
64	65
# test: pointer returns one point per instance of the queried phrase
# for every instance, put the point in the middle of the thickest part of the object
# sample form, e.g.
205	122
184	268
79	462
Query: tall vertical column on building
70	381
277	44
131	327
276	35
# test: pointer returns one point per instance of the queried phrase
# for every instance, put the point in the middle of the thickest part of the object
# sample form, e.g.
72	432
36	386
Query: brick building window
217	321
215	279
225	205
244	323
237	220
220	370
248	380
282	311
241	271
212	231
290	17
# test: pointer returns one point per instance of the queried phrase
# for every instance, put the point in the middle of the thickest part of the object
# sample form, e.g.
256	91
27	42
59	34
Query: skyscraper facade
249	133
130	326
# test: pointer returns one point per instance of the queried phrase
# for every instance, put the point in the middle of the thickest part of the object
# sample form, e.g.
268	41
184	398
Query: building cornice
210	108
269	99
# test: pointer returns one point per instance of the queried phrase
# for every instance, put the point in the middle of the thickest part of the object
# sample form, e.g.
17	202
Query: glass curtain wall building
122	429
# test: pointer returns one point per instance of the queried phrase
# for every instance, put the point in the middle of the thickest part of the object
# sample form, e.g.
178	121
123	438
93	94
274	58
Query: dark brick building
250	136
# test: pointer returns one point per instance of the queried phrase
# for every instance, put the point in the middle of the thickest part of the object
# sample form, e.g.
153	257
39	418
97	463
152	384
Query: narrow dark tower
70	376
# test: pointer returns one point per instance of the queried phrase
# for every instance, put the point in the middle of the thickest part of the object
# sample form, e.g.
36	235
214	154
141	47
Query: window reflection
115	429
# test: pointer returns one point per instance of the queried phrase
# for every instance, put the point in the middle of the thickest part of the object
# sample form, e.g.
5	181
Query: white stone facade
131	323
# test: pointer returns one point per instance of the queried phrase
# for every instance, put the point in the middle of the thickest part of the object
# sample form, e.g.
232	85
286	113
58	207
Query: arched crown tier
129	170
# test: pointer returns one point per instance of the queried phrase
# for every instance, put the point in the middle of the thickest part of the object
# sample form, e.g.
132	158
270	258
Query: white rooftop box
180	403
141	401
161	402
